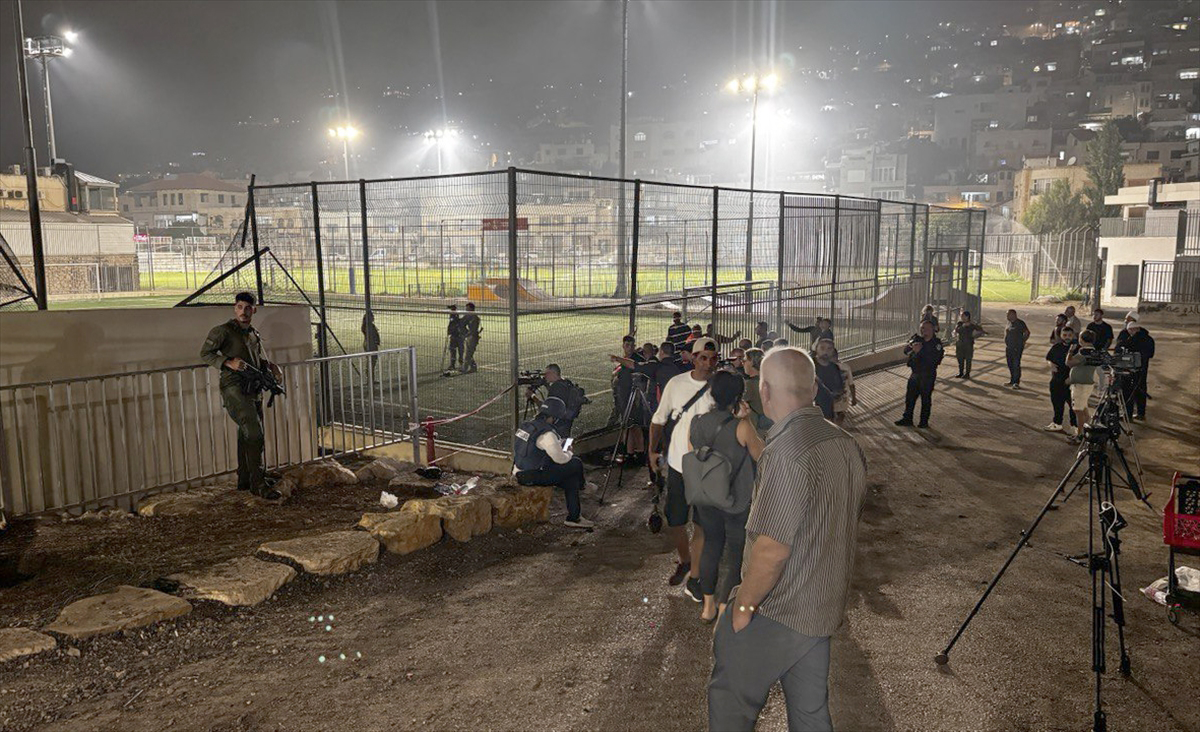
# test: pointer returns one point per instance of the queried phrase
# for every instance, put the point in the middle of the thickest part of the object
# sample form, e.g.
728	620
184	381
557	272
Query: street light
345	134
444	137
45	48
752	85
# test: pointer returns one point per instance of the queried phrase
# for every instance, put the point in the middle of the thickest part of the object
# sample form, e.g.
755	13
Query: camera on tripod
534	379
1123	361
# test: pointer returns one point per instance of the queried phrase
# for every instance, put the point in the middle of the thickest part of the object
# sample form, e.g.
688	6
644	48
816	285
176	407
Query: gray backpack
708	475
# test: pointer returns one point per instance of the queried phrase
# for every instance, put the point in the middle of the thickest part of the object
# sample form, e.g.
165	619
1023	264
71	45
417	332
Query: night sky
154	81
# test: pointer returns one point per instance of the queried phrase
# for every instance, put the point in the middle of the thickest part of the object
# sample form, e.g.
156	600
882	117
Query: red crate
1181	516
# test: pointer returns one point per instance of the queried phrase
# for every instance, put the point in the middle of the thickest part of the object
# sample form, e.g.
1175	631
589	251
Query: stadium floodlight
44	48
344	133
752	85
70	36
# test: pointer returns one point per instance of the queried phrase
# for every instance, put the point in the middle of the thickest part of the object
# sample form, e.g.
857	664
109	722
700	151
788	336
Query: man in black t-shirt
1060	385
678	331
1102	332
1015	335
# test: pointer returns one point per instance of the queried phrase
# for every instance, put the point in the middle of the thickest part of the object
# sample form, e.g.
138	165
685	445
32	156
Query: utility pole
621	268
35	211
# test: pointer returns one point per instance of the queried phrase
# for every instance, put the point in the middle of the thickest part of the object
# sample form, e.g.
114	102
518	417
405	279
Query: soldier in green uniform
231	347
472	328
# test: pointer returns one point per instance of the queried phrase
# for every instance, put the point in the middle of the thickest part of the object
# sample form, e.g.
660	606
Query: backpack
708	475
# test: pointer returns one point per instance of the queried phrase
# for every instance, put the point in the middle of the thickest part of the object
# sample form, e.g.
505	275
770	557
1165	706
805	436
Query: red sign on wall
502	224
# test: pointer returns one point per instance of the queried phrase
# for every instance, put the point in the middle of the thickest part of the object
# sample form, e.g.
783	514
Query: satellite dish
1071	160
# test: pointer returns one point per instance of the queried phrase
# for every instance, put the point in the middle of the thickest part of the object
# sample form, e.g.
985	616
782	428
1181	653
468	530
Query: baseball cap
703	343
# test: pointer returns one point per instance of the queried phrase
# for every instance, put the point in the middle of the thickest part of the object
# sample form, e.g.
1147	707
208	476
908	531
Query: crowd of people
750	454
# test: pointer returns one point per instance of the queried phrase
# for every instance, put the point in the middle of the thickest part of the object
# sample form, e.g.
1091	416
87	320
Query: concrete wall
1131	250
83	442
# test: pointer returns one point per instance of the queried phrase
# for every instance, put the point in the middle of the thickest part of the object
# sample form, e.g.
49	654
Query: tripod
1101	559
637	396
1109	414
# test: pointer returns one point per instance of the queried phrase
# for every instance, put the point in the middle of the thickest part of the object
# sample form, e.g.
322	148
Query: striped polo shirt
812	480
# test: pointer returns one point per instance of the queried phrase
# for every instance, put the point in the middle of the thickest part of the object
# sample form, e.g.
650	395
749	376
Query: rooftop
189	182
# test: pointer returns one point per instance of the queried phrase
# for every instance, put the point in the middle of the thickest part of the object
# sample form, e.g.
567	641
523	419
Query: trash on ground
387	500
1188	578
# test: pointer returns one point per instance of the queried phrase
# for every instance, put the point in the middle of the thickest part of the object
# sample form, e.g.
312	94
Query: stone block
337	552
382	469
321	474
126	607
402	532
18	642
519	505
240	581
462	516
182	503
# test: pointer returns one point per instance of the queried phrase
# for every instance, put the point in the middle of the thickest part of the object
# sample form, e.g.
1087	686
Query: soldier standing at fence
454	339
231	348
472	330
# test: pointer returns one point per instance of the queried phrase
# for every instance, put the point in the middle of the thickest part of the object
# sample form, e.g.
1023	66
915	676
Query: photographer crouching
235	349
556	386
542	457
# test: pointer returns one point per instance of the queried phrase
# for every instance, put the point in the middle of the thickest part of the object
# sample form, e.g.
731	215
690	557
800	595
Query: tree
1105	169
1058	209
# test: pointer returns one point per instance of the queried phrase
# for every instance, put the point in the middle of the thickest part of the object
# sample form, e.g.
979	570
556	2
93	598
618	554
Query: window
579	150
639	137
1176	154
220	198
233	200
856	176
1152	155
1126	276
125	206
885	175
137	201
203	198
1041	185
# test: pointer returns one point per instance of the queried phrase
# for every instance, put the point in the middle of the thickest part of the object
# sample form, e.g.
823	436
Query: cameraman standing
1137	339
571	395
540	459
1082	378
924	352
231	348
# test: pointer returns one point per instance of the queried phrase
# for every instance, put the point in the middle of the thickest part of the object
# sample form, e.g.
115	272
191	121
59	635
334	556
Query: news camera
534	379
1122	361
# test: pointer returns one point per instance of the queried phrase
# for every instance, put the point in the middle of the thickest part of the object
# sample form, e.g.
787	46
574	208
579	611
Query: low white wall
1131	250
66	444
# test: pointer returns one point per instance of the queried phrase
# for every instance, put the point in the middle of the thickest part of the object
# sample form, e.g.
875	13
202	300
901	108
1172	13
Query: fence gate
948	291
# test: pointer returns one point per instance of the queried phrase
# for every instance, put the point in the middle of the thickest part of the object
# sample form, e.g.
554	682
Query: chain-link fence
560	267
1024	267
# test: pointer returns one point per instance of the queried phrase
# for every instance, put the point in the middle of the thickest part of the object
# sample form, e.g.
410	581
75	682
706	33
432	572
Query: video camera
1122	361
255	381
533	379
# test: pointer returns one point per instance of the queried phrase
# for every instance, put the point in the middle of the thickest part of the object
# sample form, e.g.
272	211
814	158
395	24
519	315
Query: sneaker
1069	430
904	422
1009	385
680	574
1053	427
923	425
590	488
579	523
692	589
1016	387
267	493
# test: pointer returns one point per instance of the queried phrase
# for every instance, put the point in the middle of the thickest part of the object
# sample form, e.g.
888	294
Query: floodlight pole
750	210
35	211
620	289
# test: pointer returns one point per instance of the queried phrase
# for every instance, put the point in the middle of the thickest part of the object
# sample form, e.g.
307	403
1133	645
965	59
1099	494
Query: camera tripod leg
622	436
1112	544
944	657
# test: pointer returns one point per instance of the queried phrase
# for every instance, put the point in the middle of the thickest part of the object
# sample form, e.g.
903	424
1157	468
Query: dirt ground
545	628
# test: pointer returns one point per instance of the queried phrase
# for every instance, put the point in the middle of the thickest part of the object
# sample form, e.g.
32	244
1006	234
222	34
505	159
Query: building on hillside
89	247
1152	251
211	206
957	118
580	157
991	189
1000	147
1036	177
872	171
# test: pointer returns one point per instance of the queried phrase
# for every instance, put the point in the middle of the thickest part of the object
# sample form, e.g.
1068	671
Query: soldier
472	329
924	354
230	348
454	338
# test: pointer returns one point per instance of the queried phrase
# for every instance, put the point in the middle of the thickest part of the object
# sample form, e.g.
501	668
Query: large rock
402	532
183	503
337	552
241	581
513	506
18	642
462	516
320	474
383	469
126	607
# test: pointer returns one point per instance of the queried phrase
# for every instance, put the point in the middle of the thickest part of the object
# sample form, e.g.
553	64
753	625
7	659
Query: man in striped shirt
800	543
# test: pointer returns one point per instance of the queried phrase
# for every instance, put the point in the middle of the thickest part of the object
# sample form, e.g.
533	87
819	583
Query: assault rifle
256	381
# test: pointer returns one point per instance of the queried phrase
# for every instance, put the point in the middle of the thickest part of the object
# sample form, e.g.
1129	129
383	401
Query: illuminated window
639	137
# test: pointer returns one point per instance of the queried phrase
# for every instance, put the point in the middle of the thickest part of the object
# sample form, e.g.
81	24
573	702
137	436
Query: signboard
502	224
141	238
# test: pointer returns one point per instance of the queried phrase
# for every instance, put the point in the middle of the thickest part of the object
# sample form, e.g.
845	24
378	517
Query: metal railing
110	439
1176	283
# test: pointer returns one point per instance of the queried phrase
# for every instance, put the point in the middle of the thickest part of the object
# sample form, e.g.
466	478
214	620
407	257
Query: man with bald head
800	544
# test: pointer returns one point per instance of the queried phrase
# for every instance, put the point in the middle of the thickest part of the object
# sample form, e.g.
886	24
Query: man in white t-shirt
685	396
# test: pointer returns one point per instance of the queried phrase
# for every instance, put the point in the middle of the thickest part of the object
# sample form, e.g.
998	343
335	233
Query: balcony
1178	224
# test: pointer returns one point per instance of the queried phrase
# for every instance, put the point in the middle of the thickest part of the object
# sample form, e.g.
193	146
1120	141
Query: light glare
71	36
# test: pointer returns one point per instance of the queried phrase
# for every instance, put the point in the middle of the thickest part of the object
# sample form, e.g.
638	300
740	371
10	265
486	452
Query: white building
1152	252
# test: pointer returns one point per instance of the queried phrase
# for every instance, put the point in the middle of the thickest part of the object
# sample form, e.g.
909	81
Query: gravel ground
545	628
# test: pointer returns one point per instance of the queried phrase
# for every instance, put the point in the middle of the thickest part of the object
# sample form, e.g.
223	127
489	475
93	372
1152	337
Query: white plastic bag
387	500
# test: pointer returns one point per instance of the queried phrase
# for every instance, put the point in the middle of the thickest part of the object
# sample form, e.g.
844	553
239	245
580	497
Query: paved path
550	629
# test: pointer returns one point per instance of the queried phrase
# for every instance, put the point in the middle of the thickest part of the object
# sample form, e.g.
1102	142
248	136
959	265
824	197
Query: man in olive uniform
454	339
472	329
230	348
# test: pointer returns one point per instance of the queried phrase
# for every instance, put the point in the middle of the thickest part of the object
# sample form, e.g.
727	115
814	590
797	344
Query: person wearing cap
685	397
1137	339
539	458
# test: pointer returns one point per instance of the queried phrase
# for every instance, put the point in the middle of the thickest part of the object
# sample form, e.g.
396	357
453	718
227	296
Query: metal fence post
979	274
716	219
875	278
779	266
967	264
837	241
252	216
366	252
1037	269
413	404
514	365
322	346
633	259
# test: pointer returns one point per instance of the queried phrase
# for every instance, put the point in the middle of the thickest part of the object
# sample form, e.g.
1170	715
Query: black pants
1013	355
568	476
1060	399
456	352
919	385
724	544
1133	391
964	355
